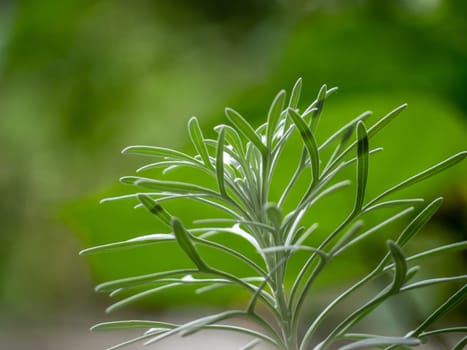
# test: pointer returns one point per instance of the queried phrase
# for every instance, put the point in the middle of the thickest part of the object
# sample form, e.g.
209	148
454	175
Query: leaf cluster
242	161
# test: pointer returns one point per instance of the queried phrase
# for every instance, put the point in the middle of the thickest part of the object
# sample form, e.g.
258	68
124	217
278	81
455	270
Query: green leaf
220	163
184	240
381	341
166	186
232	138
461	344
419	222
346	131
322	94
453	247
457	298
196	325
245	128
383	122
295	94
157	152
131	341
131	324
155	208
362	165
309	141
372	230
274	214
400	267
252	344
444	331
273	116
170	165
433	281
131	243
136	281
135	297
393	203
372	131
196	136
424	175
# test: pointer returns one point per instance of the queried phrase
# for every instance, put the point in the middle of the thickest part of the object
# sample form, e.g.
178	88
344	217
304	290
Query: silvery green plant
242	161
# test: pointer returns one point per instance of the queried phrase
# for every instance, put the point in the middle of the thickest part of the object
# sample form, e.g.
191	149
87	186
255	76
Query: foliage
242	162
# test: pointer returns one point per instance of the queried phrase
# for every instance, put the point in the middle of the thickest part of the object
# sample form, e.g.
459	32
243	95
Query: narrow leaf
461	344
362	165
420	220
274	214
400	267
274	114
155	208
251	344
424	174
131	243
433	281
381	341
184	240
196	136
194	326
131	324
220	163
139	280
309	141
156	152
372	131
453	247
394	203
346	131
245	128
444	331
322	94
166	186
295	94
449	304
131	299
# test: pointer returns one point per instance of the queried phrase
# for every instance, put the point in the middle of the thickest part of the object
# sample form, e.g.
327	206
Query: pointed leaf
131	324
424	174
322	94
457	298
295	94
184	240
274	214
155	208
420	220
156	152
252	344
400	267
135	281
197	138
131	243
194	326
362	165
166	186
245	128
461	344
220	163
381	341
346	131
274	114
309	141
138	296
393	203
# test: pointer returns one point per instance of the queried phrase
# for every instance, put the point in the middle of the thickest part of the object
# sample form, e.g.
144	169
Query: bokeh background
79	80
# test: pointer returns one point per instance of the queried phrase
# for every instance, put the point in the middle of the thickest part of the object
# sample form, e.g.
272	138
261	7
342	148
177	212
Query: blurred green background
79	80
